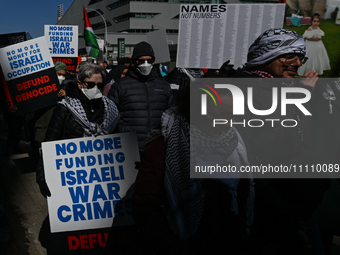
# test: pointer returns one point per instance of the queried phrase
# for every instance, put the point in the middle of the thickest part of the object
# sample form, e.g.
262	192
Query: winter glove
227	69
44	190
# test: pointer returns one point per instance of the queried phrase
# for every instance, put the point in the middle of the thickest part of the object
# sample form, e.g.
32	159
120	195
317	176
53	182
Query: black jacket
63	125
141	100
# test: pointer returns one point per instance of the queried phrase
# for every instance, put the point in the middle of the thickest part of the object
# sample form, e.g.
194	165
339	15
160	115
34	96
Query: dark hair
316	15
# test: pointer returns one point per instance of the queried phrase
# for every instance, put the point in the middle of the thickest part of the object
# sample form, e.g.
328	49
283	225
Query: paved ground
23	208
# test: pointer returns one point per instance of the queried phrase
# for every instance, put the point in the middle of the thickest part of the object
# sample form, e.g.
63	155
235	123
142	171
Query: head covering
142	49
117	73
273	43
60	66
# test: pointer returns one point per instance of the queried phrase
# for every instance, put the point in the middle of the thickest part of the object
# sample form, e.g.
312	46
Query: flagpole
105	39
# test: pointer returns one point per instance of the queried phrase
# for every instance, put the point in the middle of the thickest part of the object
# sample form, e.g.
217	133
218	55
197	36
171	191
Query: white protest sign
159	43
88	178
25	58
62	40
210	34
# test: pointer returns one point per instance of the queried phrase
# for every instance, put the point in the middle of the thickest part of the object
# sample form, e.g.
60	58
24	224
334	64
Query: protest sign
13	38
159	43
83	242
62	43
9	39
88	177
71	63
30	75
90	180
210	34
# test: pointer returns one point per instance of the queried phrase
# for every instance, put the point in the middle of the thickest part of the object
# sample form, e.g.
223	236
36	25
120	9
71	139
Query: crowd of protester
176	214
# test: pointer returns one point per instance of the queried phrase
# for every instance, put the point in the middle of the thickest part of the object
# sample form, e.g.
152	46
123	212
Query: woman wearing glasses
84	112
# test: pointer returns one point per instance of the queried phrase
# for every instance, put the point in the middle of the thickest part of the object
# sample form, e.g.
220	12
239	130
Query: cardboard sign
211	34
89	179
91	242
62	41
159	43
71	63
30	75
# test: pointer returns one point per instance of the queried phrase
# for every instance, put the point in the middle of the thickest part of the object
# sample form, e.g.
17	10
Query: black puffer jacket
141	100
63	124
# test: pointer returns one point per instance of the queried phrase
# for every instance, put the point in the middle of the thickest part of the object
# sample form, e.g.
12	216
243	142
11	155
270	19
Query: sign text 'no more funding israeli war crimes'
86	206
61	38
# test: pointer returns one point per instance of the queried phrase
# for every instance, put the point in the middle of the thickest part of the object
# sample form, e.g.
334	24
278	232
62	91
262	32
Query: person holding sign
84	112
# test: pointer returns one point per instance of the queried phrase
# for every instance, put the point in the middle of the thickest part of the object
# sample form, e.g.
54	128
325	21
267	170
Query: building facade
131	20
128	19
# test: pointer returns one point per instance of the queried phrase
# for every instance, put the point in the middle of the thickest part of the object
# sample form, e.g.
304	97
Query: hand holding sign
88	178
44	190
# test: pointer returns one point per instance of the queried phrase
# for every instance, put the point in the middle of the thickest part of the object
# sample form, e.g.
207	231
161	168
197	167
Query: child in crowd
315	49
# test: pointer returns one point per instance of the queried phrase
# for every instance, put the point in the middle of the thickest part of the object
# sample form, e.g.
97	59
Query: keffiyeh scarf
273	43
262	74
226	149
111	116
186	195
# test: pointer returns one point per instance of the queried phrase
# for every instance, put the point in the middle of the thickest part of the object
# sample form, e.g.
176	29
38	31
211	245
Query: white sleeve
308	34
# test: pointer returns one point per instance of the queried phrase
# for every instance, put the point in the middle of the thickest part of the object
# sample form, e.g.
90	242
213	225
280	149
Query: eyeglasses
141	61
292	59
91	84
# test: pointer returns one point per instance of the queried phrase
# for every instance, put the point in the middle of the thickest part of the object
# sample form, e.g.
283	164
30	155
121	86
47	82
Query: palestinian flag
92	47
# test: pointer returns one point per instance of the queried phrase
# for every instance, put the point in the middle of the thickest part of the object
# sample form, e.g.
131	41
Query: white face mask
93	93
61	79
145	69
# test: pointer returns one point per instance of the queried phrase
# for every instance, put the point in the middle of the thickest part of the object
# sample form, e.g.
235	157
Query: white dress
316	53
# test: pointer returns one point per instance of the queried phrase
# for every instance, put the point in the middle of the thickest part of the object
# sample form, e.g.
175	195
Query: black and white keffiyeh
273	43
111	116
186	195
192	74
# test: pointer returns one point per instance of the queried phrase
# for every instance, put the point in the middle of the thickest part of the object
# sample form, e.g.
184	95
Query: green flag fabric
92	48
